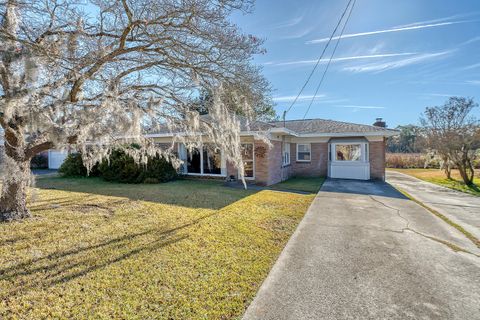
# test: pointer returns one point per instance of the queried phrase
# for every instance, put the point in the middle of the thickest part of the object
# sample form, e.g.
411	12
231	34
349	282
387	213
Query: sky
394	59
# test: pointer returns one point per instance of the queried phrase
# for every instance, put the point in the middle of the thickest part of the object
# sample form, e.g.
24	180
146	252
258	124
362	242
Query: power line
321	56
330	60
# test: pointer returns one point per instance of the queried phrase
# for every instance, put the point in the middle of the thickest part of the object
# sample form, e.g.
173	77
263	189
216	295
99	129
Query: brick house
312	147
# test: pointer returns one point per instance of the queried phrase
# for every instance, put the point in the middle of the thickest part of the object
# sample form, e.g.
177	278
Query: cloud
470	41
454	17
289	23
319	99
413	27
300	98
447	95
298	34
395	64
474	82
371	56
472	66
359	107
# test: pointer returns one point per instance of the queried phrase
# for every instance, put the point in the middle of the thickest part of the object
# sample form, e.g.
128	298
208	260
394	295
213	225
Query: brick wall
377	160
318	164
262	163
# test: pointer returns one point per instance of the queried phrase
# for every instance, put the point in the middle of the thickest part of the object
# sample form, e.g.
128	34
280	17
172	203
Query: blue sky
396	57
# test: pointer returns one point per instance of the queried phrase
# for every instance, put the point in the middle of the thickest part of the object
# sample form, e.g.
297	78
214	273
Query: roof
307	127
245	125
314	126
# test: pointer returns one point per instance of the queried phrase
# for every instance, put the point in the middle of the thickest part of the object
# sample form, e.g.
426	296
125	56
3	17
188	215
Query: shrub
122	168
73	167
409	160
39	161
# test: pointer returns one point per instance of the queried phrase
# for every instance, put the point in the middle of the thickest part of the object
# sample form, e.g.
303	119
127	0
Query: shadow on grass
63	266
187	193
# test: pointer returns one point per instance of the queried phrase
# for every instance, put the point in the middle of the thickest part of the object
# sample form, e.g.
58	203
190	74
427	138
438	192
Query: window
248	160
194	161
348	152
212	160
286	154
208	161
303	152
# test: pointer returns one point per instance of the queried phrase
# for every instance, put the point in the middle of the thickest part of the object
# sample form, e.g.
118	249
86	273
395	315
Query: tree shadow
186	193
63	266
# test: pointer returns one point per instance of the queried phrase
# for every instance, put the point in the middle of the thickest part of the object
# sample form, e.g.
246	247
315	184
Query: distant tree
410	140
453	133
238	96
95	73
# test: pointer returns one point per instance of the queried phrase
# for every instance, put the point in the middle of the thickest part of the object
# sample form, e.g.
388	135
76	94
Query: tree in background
93	74
453	133
411	139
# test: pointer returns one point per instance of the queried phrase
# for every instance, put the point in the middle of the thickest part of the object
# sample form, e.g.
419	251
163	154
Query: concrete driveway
462	208
364	251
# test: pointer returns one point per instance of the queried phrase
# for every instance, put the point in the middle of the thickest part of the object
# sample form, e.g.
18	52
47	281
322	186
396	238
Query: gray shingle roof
307	126
312	126
245	125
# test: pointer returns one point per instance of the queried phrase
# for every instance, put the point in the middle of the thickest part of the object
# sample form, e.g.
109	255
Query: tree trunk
448	171
446	167
467	177
13	202
16	179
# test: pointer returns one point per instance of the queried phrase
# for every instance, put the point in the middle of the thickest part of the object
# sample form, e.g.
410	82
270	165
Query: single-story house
311	147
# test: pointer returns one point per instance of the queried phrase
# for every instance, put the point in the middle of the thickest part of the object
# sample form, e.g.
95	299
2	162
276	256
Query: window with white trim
304	152
248	160
348	152
206	160
286	154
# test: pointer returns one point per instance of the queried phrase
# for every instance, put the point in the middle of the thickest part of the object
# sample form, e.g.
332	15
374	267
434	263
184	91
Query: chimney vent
379	122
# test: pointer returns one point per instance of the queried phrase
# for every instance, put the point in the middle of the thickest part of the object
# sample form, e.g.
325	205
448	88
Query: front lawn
438	177
180	250
305	184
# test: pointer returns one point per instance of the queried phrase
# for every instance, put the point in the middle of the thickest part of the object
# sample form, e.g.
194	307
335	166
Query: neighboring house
55	157
313	147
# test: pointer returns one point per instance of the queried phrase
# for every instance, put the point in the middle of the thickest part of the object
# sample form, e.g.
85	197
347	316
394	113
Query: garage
56	158
348	159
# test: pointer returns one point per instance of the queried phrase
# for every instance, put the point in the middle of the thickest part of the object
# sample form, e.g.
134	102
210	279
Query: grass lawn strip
470	236
181	250
305	184
438	177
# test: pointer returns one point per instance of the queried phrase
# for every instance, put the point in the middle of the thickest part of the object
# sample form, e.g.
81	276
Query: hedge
121	168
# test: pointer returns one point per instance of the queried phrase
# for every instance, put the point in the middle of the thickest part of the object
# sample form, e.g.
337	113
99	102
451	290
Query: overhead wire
329	61
321	56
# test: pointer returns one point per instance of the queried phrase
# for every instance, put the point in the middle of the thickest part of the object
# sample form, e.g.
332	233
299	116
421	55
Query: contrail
361	34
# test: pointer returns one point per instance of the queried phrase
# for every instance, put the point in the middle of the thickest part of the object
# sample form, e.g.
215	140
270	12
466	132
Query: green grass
470	236
305	184
181	250
438	177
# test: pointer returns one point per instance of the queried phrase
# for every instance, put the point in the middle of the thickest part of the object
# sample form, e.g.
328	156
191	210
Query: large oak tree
94	73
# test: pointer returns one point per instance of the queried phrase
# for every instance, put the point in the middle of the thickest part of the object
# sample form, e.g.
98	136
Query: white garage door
349	159
56	158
